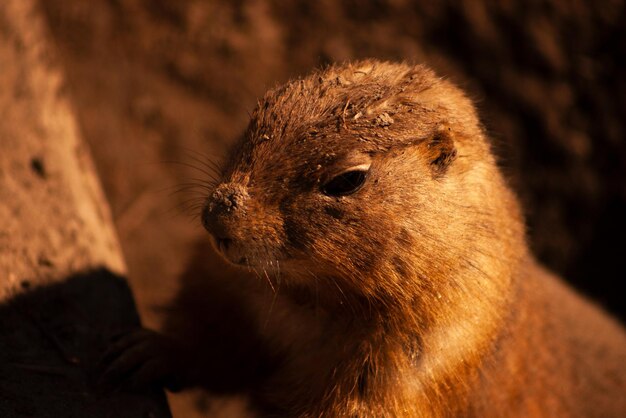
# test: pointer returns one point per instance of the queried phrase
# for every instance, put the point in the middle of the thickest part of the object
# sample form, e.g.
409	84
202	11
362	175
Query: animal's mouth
231	252
223	244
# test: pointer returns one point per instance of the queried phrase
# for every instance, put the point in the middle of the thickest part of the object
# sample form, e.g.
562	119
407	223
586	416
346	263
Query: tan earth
62	294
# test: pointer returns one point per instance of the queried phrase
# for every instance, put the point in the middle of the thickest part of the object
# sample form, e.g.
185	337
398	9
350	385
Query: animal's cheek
298	222
333	231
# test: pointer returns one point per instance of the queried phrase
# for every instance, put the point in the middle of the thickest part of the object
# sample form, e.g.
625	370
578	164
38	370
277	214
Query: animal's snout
228	196
222	208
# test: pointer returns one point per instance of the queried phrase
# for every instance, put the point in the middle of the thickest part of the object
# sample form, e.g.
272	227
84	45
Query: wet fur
415	297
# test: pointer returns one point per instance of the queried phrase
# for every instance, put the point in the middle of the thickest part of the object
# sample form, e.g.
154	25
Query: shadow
51	339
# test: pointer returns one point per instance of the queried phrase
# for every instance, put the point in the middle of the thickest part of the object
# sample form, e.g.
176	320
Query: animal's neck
420	354
393	362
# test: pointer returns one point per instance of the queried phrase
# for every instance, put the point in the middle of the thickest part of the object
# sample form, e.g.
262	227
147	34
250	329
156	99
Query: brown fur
415	296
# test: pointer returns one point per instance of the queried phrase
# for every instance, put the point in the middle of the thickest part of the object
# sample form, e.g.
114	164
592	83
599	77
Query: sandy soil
61	292
156	81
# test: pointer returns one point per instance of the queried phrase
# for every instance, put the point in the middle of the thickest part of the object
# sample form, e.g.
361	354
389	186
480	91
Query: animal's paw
141	358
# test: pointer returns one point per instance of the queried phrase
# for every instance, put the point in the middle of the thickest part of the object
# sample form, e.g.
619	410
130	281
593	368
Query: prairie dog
379	269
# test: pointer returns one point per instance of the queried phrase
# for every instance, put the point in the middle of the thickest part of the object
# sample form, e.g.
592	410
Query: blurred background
153	82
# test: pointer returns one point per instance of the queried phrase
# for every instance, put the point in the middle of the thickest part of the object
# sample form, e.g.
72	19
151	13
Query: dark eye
345	183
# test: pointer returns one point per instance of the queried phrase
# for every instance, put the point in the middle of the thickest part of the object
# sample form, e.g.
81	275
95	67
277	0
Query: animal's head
370	175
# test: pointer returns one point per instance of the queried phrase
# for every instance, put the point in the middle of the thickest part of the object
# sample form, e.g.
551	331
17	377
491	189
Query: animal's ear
441	151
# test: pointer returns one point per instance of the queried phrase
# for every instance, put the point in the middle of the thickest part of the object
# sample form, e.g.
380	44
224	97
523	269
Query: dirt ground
62	290
155	82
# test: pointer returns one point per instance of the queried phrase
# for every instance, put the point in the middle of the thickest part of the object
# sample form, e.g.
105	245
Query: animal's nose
223	206
228	196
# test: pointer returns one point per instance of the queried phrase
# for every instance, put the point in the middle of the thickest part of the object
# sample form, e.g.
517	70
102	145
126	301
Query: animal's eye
345	183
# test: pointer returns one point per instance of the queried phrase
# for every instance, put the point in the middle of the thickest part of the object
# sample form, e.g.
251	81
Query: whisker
203	171
189	194
190	207
267	277
273	302
212	168
191	190
188	184
203	159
